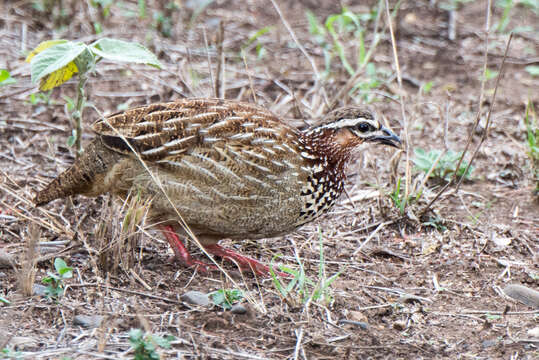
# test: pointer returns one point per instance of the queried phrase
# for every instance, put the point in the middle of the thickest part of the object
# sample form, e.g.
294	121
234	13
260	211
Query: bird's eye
364	127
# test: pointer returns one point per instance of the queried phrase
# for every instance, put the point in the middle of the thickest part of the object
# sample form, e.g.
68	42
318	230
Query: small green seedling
226	297
398	198
532	137
446	166
55	281
4	300
145	346
260	50
54	62
5	78
302	289
7	353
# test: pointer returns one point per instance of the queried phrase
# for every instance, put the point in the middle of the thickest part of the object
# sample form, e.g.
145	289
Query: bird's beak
388	138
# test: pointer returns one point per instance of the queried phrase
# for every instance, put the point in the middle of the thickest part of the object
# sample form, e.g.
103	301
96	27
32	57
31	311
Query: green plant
445	168
532	137
399	199
336	27
489	74
507	5
533	70
226	297
5	78
7	353
145	346
55	281
302	289
260	50
163	20
54	62
41	98
4	300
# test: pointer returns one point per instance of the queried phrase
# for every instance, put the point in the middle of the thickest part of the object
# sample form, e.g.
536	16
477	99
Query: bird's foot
243	262
182	254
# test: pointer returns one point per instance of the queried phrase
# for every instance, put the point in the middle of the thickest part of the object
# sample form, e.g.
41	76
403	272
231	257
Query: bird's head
352	126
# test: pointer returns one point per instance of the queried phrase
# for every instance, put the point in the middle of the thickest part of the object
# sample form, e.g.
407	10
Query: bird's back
230	168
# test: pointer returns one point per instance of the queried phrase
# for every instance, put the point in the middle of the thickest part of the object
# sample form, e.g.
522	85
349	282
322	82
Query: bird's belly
232	209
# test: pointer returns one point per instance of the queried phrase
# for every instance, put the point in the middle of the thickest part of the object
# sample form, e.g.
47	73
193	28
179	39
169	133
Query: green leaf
56	58
123	51
5	78
4	300
62	268
533	70
43	46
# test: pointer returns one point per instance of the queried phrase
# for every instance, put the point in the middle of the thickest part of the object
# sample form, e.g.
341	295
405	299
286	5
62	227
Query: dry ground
424	291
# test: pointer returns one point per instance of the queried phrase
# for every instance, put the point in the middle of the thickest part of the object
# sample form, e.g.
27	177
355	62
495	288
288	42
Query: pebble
359	324
39	289
534	333
238	309
523	294
196	298
488	343
399	325
88	321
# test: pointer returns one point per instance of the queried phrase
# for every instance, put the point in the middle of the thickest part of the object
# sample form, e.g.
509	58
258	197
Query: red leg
244	262
181	251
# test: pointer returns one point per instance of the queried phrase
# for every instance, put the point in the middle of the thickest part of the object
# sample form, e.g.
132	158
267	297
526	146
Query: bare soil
412	286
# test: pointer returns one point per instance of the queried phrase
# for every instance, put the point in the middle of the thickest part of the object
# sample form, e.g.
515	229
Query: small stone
196	298
88	321
534	333
39	290
358	324
399	325
357	316
22	343
488	343
523	294
238	309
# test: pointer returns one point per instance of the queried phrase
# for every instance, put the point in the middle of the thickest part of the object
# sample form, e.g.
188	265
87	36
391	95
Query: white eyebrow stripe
342	123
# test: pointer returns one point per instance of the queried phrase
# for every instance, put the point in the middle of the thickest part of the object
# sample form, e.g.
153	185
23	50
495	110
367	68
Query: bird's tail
80	177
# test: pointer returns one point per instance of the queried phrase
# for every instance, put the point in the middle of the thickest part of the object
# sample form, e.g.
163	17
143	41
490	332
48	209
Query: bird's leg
181	252
244	262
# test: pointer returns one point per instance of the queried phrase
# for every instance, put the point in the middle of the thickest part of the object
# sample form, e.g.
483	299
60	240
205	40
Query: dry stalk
219	89
408	174
27	273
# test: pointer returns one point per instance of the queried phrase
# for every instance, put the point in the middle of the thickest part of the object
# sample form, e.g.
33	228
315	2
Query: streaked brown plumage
232	169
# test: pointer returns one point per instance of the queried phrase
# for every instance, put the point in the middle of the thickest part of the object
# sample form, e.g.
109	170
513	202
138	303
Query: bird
231	169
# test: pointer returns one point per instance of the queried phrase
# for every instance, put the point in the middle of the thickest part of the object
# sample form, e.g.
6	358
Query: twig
487	125
219	92
299	336
408	175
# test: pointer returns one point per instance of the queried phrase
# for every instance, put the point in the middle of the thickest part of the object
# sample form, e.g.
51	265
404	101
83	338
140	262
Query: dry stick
403	112
250	77
220	93
303	51
209	59
483	137
487	125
